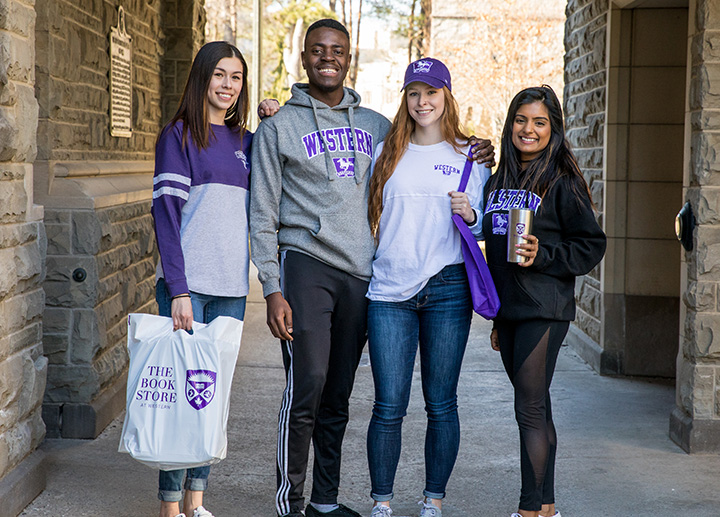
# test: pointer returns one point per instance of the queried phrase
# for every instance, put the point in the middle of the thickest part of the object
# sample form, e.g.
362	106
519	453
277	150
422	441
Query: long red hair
396	143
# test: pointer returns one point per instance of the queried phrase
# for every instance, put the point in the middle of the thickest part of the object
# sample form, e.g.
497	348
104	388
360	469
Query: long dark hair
551	164
396	143
193	110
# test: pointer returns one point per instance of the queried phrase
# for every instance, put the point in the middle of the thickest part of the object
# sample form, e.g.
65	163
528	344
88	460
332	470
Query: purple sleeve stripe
170	191
168	176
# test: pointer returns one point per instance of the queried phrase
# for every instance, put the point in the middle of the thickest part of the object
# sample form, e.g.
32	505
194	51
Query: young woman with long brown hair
200	203
538	171
419	293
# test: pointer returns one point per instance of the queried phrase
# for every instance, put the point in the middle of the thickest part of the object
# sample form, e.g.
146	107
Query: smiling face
531	130
426	104
224	89
326	60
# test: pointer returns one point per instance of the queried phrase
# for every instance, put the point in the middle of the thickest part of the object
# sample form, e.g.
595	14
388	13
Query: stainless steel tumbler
519	224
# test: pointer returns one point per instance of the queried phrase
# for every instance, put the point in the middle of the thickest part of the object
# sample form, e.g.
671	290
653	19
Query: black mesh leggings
529	352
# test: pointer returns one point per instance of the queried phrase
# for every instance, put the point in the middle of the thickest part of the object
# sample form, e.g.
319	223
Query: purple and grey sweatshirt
200	208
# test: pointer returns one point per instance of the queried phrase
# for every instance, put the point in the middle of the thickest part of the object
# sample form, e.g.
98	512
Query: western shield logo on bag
200	387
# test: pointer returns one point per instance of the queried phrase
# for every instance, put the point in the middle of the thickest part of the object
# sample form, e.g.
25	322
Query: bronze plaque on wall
120	79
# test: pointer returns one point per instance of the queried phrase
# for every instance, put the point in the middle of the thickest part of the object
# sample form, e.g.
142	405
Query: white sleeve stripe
169	191
168	176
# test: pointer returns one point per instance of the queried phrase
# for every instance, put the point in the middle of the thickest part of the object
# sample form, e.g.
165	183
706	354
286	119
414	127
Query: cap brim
423	78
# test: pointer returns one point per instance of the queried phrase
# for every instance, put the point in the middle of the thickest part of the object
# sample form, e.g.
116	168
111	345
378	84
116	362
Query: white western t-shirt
417	237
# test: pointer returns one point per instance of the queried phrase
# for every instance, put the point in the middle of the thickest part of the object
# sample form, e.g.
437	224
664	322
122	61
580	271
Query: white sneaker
380	510
200	511
180	515
429	510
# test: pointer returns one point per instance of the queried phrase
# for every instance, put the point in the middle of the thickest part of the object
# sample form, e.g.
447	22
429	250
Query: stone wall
73	77
97	190
100	268
695	423
584	107
22	365
184	28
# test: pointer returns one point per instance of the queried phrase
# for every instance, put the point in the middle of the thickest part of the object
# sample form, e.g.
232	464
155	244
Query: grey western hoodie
309	184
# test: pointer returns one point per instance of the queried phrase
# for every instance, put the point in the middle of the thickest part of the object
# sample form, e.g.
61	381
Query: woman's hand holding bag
178	391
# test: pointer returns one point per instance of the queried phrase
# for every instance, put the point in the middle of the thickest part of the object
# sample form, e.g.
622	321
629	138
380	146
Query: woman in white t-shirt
419	292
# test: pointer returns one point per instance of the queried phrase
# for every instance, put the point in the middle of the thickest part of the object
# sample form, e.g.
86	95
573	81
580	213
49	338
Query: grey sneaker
380	510
429	510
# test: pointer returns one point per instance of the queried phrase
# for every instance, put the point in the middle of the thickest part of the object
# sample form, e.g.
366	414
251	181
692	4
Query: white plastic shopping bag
178	391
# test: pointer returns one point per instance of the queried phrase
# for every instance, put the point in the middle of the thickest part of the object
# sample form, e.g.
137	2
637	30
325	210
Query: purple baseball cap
429	71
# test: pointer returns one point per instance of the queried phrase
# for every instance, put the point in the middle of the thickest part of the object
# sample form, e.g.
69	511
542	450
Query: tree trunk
350	22
342	7
331	4
426	13
411	30
356	56
291	53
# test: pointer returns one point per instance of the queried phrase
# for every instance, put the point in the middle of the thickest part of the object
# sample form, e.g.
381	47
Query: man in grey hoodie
309	191
308	204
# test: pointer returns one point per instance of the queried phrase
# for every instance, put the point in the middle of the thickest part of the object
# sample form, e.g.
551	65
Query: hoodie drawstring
328	160
351	117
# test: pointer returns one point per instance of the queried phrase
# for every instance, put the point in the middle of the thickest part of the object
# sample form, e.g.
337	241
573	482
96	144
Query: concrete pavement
614	457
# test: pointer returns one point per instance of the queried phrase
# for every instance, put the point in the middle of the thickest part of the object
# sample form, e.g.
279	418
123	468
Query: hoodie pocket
523	288
537	292
347	237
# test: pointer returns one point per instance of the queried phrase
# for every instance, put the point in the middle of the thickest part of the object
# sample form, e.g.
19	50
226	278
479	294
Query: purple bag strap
466	172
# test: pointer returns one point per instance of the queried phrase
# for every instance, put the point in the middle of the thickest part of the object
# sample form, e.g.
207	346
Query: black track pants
529	352
329	332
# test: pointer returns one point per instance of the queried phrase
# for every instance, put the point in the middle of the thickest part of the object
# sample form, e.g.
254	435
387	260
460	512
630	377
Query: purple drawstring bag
484	295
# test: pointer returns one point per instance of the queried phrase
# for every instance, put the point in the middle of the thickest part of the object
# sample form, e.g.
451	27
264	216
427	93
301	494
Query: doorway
644	149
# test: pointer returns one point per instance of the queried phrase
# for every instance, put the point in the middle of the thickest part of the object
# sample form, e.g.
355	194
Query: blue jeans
438	318
205	309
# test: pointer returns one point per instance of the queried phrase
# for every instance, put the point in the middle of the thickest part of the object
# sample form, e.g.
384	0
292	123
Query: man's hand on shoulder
268	108
483	151
279	316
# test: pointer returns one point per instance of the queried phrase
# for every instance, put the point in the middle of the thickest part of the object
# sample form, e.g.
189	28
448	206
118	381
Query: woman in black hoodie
538	171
